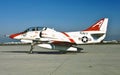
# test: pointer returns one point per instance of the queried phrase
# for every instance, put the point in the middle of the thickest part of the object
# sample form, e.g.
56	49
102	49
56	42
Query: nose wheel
32	47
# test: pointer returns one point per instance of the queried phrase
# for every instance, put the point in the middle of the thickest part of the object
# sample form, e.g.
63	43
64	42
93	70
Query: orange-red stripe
71	40
12	36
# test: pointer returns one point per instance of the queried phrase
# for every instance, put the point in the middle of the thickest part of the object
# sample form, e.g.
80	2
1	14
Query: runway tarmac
93	60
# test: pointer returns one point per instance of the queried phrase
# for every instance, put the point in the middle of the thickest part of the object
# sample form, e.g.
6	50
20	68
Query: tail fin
101	25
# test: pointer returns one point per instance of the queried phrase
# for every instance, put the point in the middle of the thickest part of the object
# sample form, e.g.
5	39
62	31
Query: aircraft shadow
42	52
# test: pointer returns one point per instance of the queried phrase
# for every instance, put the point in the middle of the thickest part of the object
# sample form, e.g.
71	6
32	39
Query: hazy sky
63	15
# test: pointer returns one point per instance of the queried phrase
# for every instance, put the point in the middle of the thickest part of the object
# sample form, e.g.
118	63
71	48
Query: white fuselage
53	39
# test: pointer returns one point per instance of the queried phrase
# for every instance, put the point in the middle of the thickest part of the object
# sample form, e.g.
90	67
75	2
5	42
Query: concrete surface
94	60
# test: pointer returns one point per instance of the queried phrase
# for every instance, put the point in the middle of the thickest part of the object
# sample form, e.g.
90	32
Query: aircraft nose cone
12	36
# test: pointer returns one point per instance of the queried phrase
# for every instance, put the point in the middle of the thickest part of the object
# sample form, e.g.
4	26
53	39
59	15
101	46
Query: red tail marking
71	40
96	26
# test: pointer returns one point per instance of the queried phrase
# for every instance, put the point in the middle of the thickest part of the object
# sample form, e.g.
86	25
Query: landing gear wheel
32	47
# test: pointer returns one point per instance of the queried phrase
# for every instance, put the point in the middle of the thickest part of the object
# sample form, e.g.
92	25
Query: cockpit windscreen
35	29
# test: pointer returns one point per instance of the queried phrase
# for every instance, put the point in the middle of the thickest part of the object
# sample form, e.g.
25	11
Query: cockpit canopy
35	29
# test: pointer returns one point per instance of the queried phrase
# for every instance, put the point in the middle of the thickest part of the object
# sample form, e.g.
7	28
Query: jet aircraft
64	41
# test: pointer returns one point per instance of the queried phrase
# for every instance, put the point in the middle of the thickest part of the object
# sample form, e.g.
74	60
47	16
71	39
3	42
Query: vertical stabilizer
101	25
